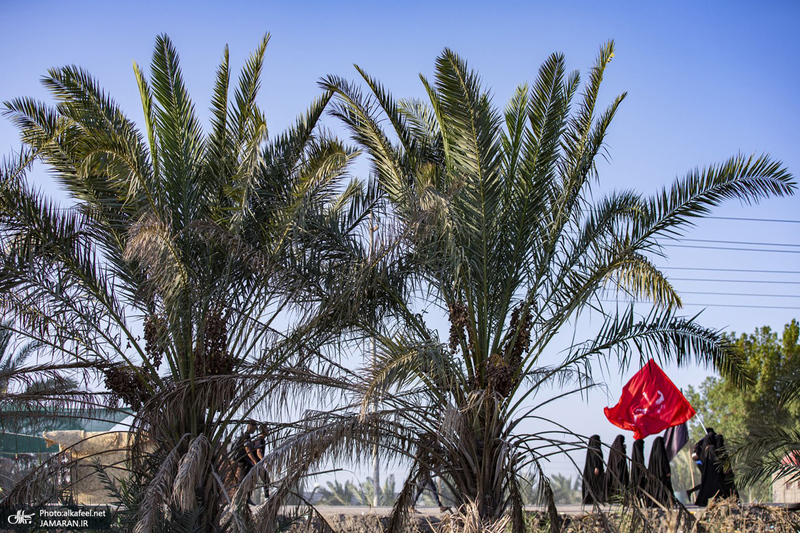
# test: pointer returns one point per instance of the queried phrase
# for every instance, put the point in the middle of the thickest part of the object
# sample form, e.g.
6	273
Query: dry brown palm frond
728	516
721	516
453	422
192	469
158	491
400	519
152	244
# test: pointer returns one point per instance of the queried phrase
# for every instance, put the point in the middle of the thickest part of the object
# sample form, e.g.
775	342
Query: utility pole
376	468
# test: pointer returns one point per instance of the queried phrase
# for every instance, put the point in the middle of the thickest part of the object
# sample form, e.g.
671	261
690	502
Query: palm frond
191	473
746	178
359	115
180	136
666	338
159	491
768	453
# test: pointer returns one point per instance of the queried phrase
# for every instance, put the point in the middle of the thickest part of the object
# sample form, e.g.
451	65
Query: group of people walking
613	481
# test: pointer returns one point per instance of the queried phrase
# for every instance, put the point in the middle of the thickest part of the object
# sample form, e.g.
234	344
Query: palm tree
565	490
338	494
496	225
385	495
180	271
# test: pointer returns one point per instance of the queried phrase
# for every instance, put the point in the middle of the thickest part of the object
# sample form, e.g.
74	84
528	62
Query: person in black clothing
716	479
594	473
638	470
724	470
424	460
424	482
711	483
709	438
659	480
617	477
242	450
244	453
258	450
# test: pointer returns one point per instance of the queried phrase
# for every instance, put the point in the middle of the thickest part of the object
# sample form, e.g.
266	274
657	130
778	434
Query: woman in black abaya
711	483
638	470
659	480
593	473
724	471
617	472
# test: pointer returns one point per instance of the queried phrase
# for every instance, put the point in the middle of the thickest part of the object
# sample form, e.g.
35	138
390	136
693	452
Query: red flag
650	403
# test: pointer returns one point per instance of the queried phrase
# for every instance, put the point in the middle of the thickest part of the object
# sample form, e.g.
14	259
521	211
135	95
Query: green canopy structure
23	434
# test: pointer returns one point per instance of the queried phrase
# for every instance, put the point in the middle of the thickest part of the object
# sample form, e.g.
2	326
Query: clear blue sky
705	81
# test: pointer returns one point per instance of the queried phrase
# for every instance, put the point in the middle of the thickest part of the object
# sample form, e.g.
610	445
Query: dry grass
720	517
726	517
467	520
363	523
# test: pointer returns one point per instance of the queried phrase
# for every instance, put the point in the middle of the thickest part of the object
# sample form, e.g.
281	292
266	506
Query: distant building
86	453
783	489
27	440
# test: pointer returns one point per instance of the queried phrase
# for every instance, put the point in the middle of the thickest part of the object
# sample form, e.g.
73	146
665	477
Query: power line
741	306
781	220
717	241
737	281
737	246
755	271
698	304
733	249
743	219
741	294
